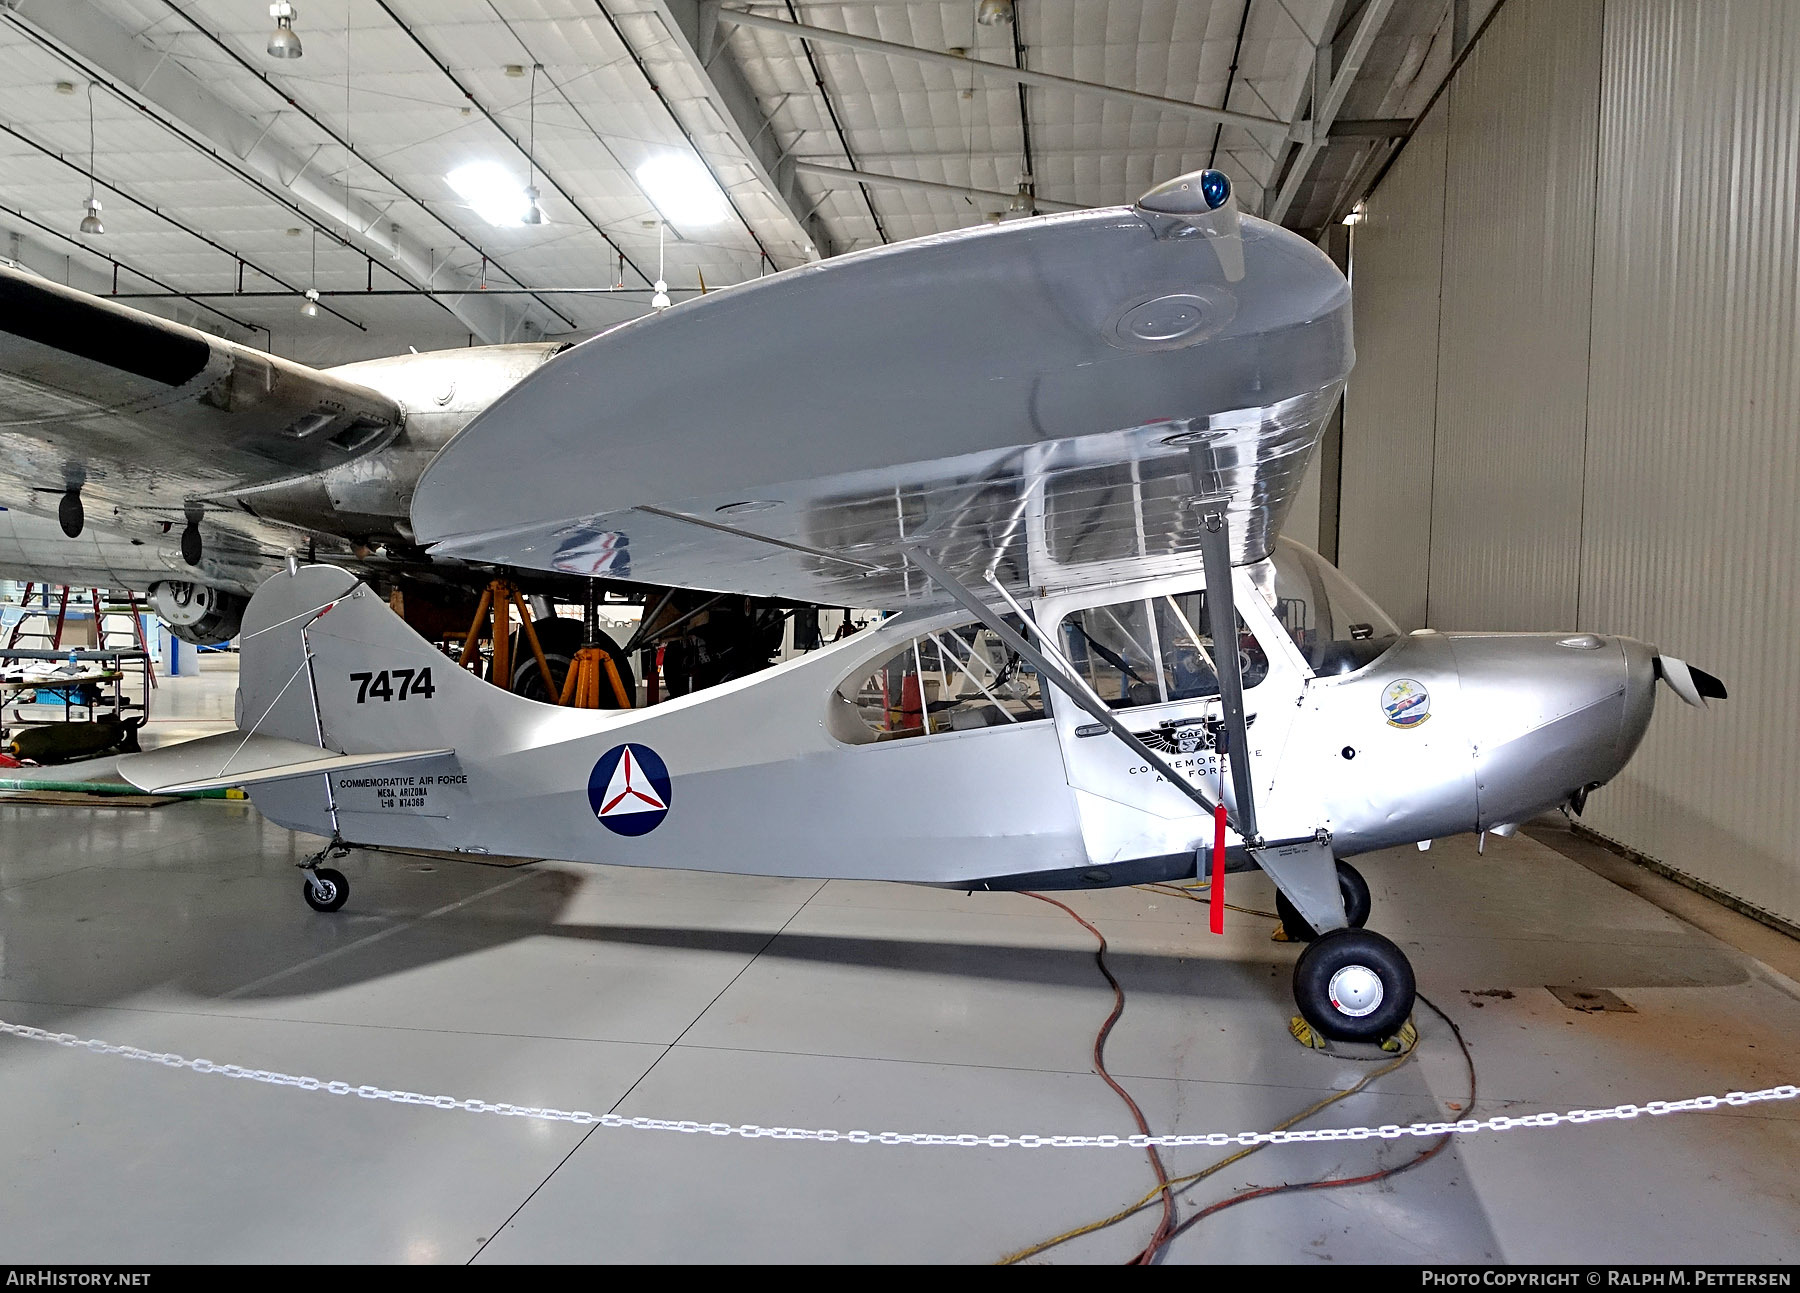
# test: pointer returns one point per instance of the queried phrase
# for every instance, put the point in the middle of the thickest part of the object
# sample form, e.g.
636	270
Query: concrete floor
686	995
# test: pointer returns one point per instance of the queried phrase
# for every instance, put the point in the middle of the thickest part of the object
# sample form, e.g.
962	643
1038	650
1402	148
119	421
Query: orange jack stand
502	599
581	689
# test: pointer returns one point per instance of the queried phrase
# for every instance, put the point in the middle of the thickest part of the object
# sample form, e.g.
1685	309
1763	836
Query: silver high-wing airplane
1061	450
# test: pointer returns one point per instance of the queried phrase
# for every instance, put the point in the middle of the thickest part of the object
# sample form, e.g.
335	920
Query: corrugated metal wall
1513	339
1615	433
1384	519
1693	497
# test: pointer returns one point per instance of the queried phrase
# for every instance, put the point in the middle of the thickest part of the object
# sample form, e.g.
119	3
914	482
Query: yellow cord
1186	891
1192	1178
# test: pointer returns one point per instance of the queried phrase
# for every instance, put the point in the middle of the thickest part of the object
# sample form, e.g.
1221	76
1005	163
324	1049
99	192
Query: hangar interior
1569	231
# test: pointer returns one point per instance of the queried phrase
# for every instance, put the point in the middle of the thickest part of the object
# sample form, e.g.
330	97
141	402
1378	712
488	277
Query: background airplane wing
1045	399
142	412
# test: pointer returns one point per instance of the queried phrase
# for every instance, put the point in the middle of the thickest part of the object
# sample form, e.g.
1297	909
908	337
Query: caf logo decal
1406	703
629	790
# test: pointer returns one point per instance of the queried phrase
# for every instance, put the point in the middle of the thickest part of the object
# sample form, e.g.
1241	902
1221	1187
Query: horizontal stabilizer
234	759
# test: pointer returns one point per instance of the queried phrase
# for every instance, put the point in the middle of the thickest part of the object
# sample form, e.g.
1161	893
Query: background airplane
184	466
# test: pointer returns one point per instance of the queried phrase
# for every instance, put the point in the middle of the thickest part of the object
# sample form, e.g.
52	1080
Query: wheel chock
1303	1032
1311	1038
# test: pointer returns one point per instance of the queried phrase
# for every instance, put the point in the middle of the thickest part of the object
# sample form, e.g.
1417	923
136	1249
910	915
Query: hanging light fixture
90	222
660	299
992	13
534	214
283	43
309	308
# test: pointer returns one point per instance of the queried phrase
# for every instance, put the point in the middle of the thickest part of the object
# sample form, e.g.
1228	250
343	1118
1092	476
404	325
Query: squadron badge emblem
1406	703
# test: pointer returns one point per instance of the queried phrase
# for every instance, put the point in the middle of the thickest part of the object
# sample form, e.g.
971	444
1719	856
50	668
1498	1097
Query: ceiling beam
243	262
341	139
1337	83
1371	128
694	27
530	161
170	292
999	71
847	177
95	37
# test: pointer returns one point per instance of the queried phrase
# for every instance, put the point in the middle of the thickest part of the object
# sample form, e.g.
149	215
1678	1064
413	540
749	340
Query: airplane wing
1045	399
144	413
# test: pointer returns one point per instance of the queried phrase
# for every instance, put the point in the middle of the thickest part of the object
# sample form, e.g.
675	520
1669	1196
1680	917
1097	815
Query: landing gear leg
1357	903
325	888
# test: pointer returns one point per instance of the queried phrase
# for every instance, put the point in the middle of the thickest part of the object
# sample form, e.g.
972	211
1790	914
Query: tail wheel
1357	904
1354	985
561	639
326	889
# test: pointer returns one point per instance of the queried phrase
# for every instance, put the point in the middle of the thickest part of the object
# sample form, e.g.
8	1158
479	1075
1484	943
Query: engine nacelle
196	613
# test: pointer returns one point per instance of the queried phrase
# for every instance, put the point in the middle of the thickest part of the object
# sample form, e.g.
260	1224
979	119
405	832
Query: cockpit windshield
1333	622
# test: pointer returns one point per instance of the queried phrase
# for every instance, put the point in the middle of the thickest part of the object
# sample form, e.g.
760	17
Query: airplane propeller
1691	684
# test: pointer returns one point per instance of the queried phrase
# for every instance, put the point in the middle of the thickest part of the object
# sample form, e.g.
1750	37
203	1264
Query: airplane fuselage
1434	735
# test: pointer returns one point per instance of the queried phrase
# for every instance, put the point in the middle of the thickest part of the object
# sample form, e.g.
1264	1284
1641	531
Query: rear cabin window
949	680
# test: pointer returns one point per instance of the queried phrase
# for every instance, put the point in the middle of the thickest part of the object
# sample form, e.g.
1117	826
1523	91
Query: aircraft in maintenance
1061	450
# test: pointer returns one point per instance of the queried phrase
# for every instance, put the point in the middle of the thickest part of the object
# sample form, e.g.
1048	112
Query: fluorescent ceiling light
493	191
682	190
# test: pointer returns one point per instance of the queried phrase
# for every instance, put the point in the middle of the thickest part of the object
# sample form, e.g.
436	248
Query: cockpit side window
1153	650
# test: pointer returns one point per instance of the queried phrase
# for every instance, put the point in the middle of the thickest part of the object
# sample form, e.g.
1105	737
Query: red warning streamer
1216	905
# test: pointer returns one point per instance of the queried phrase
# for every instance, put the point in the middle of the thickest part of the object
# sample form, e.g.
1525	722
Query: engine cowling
196	613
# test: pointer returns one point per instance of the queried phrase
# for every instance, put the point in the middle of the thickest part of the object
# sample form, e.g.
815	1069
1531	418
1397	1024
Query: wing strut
1221	608
1304	869
1050	664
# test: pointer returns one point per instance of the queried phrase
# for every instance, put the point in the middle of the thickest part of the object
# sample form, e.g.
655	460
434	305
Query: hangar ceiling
230	181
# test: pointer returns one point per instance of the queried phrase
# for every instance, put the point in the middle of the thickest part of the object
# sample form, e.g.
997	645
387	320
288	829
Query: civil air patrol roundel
1406	703
629	790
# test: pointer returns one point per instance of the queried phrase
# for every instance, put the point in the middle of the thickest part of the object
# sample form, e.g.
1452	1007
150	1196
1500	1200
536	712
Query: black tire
561	639
334	882
1357	905
1366	1007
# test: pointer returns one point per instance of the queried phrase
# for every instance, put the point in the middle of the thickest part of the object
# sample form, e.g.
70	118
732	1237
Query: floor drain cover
1593	999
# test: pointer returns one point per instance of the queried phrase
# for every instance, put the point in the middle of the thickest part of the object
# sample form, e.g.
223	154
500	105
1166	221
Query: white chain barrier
999	1140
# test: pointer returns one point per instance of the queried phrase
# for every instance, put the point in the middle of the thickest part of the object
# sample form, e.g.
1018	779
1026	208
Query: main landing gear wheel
1353	985
1357	903
325	889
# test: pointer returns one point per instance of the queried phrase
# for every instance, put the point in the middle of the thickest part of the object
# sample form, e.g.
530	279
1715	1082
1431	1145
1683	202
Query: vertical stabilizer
274	698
